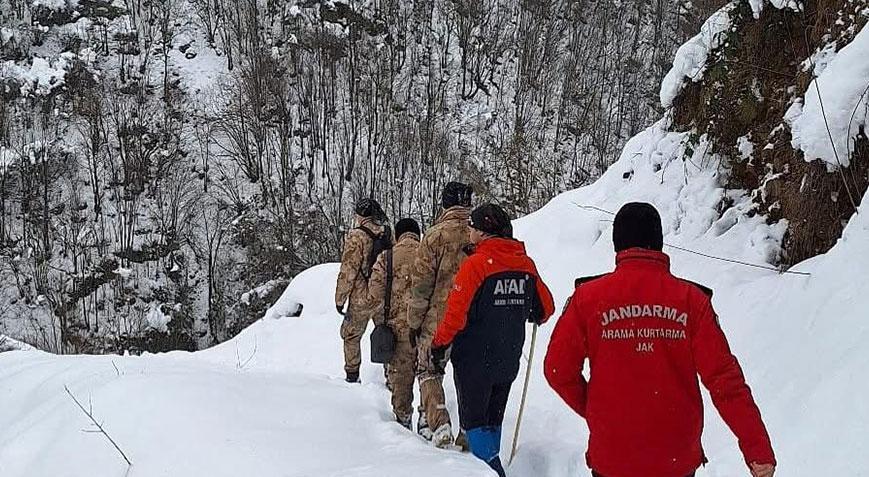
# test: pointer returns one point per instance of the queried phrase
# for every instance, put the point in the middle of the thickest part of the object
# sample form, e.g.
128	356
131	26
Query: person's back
441	252
647	335
505	282
351	290
438	258
402	368
497	290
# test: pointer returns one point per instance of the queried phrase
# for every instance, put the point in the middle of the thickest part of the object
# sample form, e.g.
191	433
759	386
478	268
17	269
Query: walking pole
524	394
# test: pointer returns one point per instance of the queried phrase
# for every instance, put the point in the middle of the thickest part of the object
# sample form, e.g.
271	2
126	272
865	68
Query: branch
99	426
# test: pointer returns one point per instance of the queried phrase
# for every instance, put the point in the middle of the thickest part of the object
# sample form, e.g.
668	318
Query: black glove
439	358
340	309
535	318
536	315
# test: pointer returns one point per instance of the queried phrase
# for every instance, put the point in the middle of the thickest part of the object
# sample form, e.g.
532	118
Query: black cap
369	208
456	193
491	219
404	226
637	224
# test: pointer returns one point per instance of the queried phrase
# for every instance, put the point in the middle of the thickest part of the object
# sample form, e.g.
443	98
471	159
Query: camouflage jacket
440	253
403	256
352	285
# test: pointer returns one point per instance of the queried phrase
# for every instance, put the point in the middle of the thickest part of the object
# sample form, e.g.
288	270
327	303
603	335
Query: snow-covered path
264	411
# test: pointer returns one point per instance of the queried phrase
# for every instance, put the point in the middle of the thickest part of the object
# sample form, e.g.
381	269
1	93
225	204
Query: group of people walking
463	293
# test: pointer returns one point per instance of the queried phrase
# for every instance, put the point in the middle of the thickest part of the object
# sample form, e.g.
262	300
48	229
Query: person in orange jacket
496	291
647	335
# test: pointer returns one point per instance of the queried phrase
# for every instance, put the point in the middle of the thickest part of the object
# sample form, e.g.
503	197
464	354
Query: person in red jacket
647	335
496	291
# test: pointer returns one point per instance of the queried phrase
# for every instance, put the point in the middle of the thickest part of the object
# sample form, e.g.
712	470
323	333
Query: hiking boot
442	438
422	427
352	377
406	422
462	441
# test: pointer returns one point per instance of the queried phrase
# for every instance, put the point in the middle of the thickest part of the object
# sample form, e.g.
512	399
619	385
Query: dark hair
491	219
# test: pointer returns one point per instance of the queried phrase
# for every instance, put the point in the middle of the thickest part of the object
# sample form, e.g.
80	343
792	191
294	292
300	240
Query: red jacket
647	335
495	291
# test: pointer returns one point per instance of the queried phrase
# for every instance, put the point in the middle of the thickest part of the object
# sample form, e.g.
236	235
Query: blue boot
495	464
485	443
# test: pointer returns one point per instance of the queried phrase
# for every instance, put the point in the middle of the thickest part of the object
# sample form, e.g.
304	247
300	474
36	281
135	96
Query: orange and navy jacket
647	335
496	290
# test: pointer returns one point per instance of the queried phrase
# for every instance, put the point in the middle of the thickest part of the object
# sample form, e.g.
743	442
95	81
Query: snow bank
41	76
801	340
690	61
757	5
841	109
55	4
271	402
691	57
9	344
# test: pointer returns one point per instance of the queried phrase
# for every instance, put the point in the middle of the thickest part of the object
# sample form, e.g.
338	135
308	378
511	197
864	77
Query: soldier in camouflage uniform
352	288
402	367
437	261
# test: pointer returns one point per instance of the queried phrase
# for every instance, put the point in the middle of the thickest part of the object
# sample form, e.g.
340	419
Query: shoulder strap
387	299
706	290
579	281
368	231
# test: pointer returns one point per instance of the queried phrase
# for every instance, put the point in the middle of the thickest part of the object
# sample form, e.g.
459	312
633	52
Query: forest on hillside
166	166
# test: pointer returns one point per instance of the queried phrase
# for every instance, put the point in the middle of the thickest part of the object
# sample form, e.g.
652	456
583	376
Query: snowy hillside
741	172
272	402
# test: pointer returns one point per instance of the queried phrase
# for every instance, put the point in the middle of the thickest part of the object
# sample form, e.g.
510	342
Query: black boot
495	464
352	377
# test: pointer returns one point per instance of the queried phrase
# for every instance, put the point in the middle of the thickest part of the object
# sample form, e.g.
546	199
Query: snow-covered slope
271	401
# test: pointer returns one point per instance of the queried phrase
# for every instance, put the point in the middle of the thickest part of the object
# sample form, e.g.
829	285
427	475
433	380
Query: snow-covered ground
271	402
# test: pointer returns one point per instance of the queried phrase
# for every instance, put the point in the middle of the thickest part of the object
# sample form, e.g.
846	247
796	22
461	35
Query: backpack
380	242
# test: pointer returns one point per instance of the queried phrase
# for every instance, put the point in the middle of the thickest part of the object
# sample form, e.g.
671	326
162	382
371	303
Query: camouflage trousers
431	390
352	329
400	375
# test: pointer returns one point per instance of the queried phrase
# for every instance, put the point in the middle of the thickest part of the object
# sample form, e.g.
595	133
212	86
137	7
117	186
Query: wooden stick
524	393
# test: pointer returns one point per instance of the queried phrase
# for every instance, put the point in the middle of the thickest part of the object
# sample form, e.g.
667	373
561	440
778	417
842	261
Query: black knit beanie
637	224
404	226
369	208
456	193
491	219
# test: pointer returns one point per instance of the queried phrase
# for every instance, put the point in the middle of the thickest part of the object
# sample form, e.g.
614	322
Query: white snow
824	127
6	34
67	5
690	60
757	5
41	76
7	158
271	401
745	147
9	344
157	320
